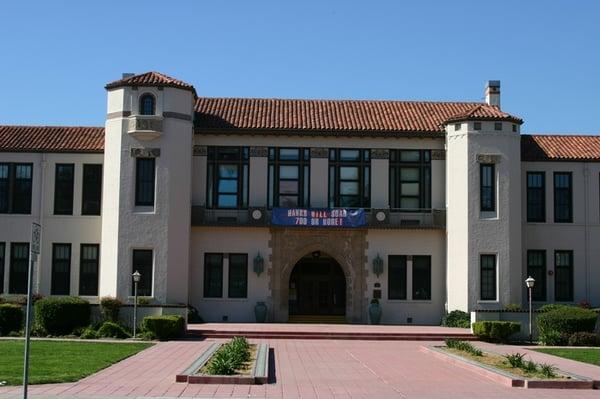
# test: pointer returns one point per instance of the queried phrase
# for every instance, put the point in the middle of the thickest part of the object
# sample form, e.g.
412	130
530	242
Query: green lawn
60	361
591	356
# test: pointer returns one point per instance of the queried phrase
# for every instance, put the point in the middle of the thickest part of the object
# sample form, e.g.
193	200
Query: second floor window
147	105
289	177
92	189
487	187
563	197
145	174
410	179
349	178
536	197
227	179
15	187
63	189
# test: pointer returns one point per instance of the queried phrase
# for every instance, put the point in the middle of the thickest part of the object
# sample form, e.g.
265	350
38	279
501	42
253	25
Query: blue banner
339	217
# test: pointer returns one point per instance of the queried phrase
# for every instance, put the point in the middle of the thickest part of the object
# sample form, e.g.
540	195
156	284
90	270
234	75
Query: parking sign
36	231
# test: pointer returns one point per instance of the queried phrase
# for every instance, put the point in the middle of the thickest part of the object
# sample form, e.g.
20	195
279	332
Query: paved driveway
303	369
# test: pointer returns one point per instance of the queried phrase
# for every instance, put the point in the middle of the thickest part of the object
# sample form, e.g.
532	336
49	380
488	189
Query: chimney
492	93
127	75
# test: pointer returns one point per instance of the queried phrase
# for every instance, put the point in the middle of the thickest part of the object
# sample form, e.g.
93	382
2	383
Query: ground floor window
19	259
213	275
488	277
396	277
238	276
563	276
142	263
61	269
536	268
421	277
88	272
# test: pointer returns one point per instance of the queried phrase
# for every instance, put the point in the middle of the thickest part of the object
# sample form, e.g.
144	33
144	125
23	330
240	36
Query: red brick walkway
304	369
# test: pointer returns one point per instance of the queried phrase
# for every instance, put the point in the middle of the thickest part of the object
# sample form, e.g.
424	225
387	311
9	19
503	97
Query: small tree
110	308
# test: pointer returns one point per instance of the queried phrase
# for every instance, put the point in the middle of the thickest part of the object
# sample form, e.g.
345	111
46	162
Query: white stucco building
311	206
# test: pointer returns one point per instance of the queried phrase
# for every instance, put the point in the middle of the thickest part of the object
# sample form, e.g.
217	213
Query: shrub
530	366
512	307
584	304
144	300
110	308
164	327
193	315
61	315
495	331
561	321
583	339
112	330
552	306
11	318
89	333
515	359
463	346
548	370
229	357
457	318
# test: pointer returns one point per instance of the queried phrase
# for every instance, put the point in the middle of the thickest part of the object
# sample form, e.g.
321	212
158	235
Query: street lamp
530	282
136	279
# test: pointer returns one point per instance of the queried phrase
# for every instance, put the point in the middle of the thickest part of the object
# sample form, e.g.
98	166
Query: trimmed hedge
495	331
11	318
61	315
164	327
557	324
584	339
110	308
457	318
111	330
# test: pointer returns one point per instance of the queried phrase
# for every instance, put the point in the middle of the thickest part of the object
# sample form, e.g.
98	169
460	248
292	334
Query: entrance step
317	319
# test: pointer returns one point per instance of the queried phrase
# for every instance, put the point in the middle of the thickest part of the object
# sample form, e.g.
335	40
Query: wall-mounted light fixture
378	265
259	264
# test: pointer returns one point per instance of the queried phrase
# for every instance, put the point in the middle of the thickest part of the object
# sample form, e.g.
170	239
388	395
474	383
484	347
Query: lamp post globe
530	282
136	276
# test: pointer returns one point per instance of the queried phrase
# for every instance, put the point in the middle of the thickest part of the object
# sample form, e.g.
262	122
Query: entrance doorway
317	287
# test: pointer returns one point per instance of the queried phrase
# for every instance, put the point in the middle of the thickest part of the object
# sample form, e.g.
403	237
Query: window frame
274	177
483	286
82	262
541	192
571	282
398	282
89	188
145	188
242	163
539	291
569	191
147	278
64	190
483	206
206	292
12	279
57	286
363	165
415	295
230	282
396	164
141	108
11	184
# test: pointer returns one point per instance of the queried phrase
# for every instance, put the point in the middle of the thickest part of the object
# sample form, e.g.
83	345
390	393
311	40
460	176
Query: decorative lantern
378	265
259	264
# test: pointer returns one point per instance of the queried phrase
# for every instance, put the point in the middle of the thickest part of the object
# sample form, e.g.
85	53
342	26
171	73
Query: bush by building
495	331
164	327
11	318
110	308
584	339
61	315
556	325
111	330
457	318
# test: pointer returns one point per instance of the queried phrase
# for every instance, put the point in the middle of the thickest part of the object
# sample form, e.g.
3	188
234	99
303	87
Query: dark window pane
2	257
61	269
563	279
144	181
488	188
4	187
92	189
536	268
19	262
410	156
396	277
488	277
563	197
422	277
88	272
22	186
142	263
213	275
63	189
536	197
238	275
147	106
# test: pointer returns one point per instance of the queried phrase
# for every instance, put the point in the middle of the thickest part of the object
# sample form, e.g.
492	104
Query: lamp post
530	282
136	279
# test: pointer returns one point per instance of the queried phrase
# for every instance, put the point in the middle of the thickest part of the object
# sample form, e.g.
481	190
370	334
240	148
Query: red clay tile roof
484	112
560	148
151	79
345	117
51	139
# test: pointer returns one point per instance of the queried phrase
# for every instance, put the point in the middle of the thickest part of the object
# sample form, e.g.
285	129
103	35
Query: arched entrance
317	286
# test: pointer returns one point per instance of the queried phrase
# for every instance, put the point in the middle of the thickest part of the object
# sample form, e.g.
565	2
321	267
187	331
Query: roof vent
492	93
127	75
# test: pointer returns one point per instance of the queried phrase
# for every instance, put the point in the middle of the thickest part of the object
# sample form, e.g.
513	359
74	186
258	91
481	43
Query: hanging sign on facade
339	217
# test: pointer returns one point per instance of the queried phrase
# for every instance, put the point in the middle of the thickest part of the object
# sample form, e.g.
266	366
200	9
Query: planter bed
504	376
255	372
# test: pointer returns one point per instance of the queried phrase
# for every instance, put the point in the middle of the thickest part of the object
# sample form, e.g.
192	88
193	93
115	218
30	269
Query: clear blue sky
56	56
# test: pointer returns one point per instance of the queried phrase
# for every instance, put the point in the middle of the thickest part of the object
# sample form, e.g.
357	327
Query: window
349	178
19	262
563	197
457	126
488	277
488	187
514	128
289	177
142	263
536	268
88	269
497	125
147	105
61	269
421	278
144	181
396	277
410	180
563	276
213	275
15	187
63	189
2	252
227	183
477	125
92	189
238	275
536	197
